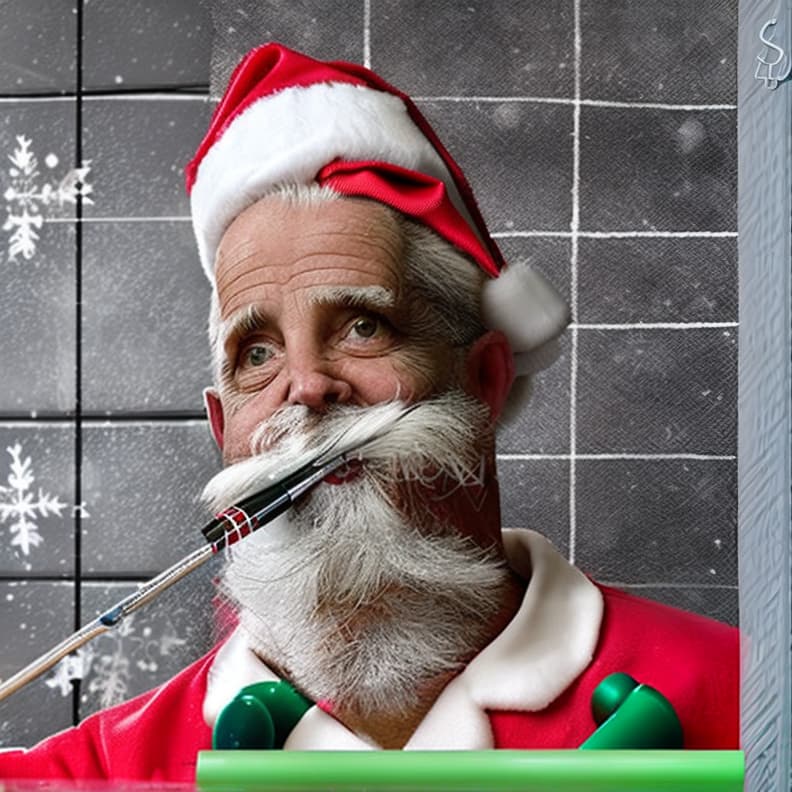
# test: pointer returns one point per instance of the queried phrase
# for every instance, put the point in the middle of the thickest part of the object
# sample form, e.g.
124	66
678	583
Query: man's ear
214	412
490	370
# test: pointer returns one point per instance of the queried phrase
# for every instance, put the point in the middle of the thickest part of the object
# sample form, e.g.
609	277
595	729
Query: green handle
632	716
629	716
259	717
528	771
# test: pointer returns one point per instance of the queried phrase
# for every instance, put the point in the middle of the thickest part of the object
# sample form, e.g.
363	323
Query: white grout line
109	423
35	99
200	97
618	234
661	234
160	219
497	234
562	100
574	227
148	97
559	100
618	457
657	326
367	33
14	424
622	584
690	108
109	582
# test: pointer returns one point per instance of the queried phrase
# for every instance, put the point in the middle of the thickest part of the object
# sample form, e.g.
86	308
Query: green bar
528	771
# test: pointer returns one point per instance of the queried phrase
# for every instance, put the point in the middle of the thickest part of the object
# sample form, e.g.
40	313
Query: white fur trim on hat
289	136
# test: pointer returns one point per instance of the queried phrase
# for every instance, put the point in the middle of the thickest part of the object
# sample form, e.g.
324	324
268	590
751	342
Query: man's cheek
424	371
239	431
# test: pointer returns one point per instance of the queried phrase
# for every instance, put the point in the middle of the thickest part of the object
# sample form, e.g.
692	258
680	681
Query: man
352	269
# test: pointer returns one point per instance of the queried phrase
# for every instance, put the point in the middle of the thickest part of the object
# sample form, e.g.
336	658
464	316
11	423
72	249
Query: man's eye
365	327
257	356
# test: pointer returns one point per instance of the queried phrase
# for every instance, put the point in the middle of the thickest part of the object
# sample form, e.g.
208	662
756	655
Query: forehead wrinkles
329	241
352	247
266	223
273	287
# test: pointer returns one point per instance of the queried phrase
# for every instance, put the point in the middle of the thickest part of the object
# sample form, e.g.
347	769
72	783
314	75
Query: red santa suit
530	688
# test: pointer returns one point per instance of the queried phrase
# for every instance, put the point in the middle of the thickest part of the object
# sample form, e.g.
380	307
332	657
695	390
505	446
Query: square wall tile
138	44
499	48
323	29
37	179
138	149
717	602
141	483
535	494
517	157
145	309
38	39
548	255
675	52
35	616
657	391
643	169
37	499
39	326
657	521
536	418
657	280
151	645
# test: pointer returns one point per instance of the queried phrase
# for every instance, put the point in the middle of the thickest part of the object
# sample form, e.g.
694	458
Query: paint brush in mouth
334	462
337	457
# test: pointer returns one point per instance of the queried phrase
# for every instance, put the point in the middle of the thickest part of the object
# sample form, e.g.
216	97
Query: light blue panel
765	252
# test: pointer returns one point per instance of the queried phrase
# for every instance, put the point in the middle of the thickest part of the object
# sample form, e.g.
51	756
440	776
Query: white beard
356	603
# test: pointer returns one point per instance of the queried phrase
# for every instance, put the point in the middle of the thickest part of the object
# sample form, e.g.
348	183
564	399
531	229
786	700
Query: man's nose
316	386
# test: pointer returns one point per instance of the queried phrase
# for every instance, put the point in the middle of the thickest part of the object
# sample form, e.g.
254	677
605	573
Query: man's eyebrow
352	296
248	320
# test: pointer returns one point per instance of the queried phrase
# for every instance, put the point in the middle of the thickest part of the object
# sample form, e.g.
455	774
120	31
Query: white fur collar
547	645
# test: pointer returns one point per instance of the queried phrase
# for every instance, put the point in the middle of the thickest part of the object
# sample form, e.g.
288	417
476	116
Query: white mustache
417	441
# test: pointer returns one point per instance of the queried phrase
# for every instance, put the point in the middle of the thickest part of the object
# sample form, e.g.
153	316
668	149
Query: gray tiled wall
601	140
103	346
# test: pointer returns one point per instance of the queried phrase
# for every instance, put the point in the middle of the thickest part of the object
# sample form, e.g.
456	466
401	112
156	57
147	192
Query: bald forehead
274	243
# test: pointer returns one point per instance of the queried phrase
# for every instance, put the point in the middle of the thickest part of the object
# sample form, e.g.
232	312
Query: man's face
315	311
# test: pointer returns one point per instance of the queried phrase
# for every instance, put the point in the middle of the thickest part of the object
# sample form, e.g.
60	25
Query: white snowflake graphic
25	198
19	505
72	667
115	657
111	670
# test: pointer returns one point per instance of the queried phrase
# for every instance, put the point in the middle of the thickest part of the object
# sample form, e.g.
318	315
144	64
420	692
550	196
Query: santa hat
288	119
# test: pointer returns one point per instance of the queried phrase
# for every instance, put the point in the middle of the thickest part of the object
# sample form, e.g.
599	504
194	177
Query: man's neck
392	730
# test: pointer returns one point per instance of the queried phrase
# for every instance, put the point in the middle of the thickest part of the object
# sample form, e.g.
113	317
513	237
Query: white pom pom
525	306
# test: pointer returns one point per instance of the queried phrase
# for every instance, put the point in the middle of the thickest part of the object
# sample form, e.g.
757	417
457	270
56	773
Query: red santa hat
286	118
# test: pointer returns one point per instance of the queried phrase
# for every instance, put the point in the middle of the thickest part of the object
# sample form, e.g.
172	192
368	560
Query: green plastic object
632	716
260	717
610	694
528	771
